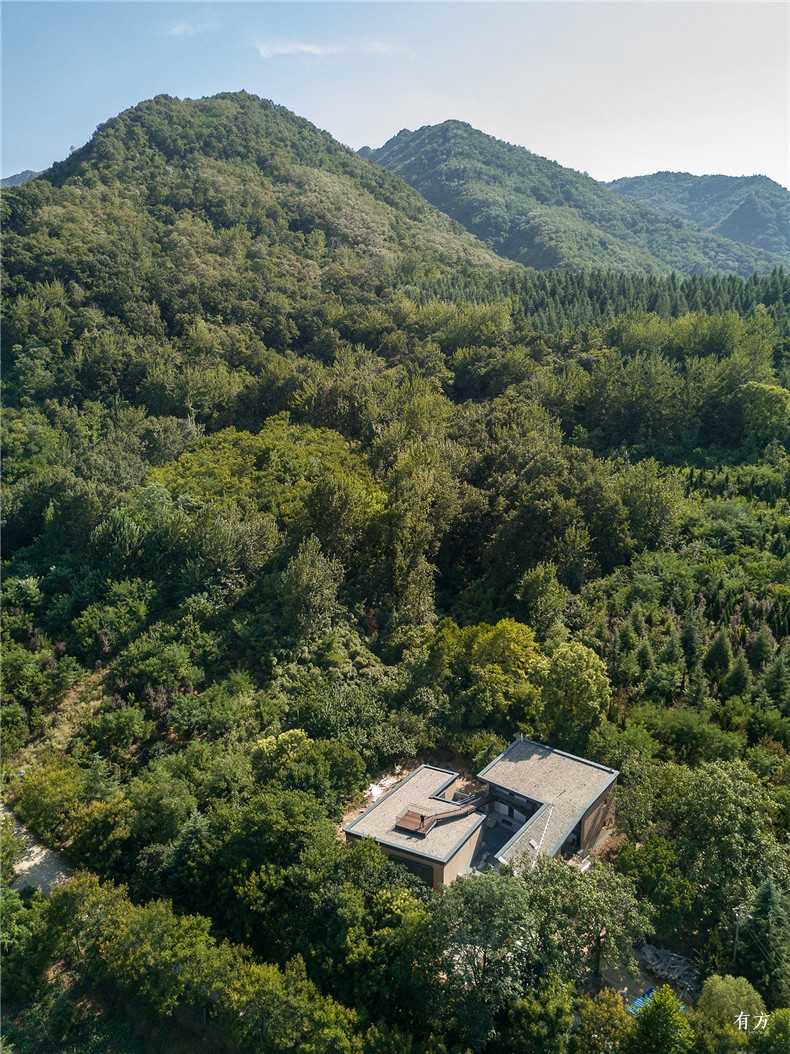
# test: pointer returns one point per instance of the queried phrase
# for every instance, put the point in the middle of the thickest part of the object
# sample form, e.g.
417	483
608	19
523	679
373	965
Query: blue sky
610	88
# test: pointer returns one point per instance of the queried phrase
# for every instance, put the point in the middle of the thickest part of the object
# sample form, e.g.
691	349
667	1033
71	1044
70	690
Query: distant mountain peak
533	210
18	179
753	210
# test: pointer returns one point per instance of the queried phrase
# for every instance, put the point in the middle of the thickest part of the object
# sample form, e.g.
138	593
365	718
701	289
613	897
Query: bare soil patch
630	988
608	846
40	868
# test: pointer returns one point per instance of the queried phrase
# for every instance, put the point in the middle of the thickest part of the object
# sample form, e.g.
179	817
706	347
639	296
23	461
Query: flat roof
418	793
567	786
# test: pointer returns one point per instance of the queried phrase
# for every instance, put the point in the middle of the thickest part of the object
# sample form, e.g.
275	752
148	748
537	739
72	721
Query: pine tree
765	948
761	648
692	636
718	658
777	680
738	679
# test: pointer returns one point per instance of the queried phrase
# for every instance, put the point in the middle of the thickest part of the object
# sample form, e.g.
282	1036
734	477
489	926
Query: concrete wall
443	874
456	864
425	870
593	820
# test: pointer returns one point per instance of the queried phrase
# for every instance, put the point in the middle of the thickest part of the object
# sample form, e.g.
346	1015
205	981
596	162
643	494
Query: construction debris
670	966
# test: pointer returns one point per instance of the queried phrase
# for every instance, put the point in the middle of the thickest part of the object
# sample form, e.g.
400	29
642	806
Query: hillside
262	161
247	187
753	210
535	211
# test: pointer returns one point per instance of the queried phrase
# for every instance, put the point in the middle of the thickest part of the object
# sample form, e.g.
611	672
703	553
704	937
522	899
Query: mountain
753	210
18	179
260	160
230	210
254	199
545	216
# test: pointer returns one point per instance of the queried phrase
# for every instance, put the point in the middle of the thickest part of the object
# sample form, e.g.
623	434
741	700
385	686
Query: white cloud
189	29
273	49
268	51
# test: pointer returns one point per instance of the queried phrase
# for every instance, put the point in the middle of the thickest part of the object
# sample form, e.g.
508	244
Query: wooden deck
415	822
421	823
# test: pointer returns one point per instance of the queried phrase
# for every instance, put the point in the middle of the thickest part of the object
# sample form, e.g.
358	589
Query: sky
612	89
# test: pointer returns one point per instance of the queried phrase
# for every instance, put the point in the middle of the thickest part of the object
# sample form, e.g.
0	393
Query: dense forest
543	215
750	209
303	484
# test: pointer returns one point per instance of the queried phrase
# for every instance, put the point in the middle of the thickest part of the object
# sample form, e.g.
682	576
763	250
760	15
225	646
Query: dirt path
40	867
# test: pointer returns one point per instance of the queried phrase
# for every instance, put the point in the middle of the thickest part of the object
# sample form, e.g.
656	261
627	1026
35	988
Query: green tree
655	502
155	953
764	954
719	815
331	771
544	600
101	837
540	1020
718	658
775	1038
777	679
580	918
264	1007
626	748
15	923
360	921
483	925
661	1026
724	998
603	1025
14	917
309	588
423	505
46	797
738	679
659	880
490	674
576	694
762	648
766	412
256	840
692	636
12	849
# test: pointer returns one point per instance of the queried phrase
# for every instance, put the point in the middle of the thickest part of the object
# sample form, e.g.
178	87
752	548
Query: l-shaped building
534	800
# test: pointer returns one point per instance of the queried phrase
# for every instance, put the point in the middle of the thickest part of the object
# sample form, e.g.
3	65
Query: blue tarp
643	1000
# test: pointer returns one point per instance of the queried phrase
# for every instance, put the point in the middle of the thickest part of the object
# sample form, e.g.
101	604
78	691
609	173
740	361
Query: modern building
532	800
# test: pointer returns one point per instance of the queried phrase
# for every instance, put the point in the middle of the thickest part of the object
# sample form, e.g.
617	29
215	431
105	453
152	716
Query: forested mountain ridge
292	497
260	159
750	209
18	178
535	211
